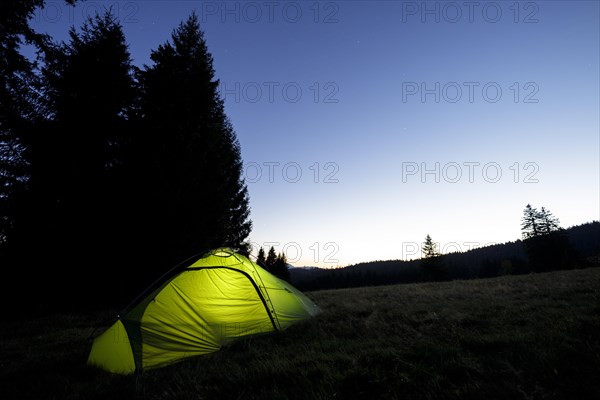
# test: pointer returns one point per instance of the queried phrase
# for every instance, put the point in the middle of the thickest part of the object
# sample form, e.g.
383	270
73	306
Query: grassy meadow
516	337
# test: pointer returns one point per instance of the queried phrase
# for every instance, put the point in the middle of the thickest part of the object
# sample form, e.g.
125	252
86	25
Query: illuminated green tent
219	298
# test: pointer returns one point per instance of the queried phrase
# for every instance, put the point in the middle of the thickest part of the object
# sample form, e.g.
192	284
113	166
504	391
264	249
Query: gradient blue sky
360	132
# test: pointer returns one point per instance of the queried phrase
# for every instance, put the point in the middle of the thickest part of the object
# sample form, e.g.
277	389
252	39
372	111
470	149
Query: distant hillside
501	259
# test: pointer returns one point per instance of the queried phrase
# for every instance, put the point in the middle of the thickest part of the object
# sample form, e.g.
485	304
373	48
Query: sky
366	125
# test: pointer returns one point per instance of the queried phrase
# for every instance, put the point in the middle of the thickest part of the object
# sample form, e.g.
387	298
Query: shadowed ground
518	337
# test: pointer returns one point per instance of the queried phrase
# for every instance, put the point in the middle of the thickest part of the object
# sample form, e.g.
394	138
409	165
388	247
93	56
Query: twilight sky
365	125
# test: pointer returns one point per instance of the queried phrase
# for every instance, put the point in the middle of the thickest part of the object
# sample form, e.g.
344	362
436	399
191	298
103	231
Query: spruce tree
430	248
260	259
17	107
271	260
547	245
78	157
535	223
530	222
197	197
69	211
431	261
547	222
59	151
280	268
90	88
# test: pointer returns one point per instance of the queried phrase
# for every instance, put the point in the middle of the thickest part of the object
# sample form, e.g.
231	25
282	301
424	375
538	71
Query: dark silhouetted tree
68	209
271	259
100	171
280	267
431	261
197	197
260	259
430	248
547	245
547	222
530	222
19	107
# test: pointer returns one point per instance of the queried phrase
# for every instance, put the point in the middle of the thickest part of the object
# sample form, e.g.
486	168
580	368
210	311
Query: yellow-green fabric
219	298
112	350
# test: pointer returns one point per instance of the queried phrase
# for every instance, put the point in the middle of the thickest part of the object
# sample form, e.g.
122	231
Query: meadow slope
519	337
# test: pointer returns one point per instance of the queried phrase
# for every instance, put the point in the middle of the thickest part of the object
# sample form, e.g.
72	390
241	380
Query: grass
514	337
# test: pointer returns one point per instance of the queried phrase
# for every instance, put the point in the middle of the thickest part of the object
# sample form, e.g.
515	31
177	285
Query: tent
221	297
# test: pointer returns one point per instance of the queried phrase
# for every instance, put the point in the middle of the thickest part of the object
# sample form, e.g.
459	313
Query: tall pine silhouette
18	108
110	176
193	165
547	244
70	214
432	261
260	259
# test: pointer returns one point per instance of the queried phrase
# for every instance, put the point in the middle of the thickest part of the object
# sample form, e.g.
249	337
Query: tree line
544	246
547	246
274	263
110	173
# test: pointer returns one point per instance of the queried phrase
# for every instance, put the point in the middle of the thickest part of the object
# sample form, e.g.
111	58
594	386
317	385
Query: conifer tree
280	269
77	155
430	248
271	259
530	222
70	204
431	261
260	259
98	166
547	245
194	167
17	107
547	222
